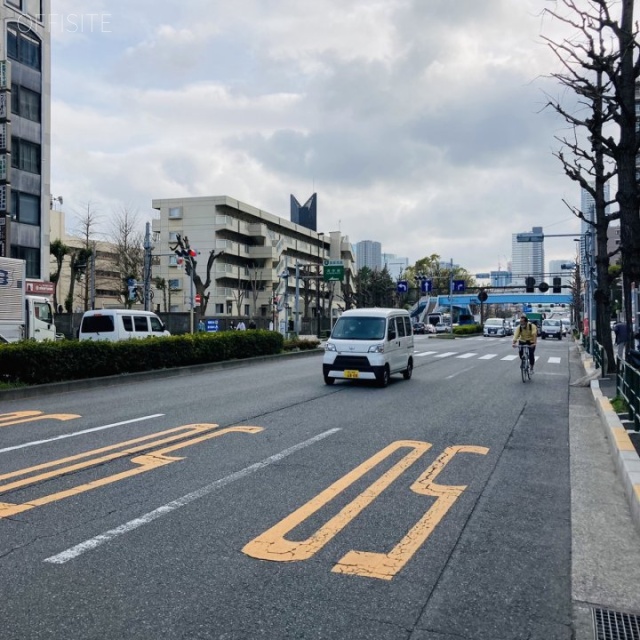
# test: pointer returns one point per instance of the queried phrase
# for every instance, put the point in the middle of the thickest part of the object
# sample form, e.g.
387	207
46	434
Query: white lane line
509	358
92	543
447	353
489	356
425	353
467	355
457	373
554	360
80	433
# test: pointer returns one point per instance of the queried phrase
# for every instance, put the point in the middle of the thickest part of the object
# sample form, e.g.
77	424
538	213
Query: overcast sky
419	123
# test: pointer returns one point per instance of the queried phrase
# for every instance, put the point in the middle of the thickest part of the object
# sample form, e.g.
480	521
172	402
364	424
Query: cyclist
526	333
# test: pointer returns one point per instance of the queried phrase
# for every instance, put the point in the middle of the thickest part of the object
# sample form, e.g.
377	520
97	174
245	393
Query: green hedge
41	362
467	329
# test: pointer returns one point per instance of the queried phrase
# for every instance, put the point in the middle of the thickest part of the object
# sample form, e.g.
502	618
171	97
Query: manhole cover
615	625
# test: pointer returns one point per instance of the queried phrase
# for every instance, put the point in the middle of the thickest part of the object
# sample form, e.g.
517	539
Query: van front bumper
353	367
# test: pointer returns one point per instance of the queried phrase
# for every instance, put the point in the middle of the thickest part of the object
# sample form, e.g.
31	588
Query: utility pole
147	267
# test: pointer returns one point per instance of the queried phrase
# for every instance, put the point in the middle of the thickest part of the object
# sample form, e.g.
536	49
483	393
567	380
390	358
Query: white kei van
369	344
120	324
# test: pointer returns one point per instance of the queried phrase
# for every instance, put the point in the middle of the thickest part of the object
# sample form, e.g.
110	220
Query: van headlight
330	347
376	348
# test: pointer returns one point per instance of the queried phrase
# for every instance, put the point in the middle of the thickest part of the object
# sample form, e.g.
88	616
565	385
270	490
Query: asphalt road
437	508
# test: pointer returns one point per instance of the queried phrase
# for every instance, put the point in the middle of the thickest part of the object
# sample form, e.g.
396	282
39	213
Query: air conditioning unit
175	213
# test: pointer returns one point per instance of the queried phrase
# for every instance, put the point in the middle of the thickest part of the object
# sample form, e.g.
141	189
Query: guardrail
628	387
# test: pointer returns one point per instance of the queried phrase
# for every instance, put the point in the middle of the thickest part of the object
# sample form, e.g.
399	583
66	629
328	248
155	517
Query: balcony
267	251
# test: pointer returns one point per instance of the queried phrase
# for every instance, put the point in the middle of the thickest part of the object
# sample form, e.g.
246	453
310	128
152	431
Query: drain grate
615	625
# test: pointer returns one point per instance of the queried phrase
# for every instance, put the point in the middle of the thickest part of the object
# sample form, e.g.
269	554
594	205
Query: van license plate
350	373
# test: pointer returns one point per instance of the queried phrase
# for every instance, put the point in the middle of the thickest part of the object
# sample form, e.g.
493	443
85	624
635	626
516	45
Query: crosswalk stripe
509	358
467	355
425	353
447	353
554	360
489	356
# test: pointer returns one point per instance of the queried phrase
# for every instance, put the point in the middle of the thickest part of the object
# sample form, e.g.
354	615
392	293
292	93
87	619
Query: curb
624	454
125	378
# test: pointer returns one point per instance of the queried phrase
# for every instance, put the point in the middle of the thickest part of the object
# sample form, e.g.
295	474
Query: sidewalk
623	450
605	513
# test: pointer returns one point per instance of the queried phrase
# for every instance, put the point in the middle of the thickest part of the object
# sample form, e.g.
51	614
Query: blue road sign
403	286
425	286
526	308
212	325
458	286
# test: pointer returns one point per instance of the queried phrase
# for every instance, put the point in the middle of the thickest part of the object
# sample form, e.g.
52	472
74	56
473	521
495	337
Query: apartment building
25	132
264	263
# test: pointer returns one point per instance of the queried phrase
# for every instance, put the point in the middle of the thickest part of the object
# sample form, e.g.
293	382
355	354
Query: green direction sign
333	270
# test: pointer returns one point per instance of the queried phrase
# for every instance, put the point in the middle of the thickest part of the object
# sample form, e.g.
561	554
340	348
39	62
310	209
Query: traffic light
530	283
557	285
543	287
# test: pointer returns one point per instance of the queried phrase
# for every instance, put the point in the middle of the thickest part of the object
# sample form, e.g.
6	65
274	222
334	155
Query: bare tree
127	238
87	223
183	246
256	284
583	61
58	250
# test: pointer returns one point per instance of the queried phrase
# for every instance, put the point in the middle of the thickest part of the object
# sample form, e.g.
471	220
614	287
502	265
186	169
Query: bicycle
525	365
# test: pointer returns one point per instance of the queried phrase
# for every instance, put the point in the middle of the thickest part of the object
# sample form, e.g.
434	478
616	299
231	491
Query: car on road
441	327
369	344
551	328
496	327
429	328
419	328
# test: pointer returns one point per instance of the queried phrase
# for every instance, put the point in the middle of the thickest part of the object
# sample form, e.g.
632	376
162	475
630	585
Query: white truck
22	316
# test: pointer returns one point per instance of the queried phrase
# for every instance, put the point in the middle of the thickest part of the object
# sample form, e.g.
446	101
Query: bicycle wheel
523	370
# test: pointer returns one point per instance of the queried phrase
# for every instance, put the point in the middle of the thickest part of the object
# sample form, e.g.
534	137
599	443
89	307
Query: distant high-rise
305	214
396	265
369	254
527	258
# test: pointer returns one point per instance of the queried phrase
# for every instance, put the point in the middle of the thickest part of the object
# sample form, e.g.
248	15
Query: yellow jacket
528	333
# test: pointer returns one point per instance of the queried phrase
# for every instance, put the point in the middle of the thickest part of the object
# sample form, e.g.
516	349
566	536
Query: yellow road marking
386	565
146	462
272	544
19	417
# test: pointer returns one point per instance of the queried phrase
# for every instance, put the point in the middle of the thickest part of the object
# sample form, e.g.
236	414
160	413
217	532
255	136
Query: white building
369	254
25	133
527	258
396	265
255	275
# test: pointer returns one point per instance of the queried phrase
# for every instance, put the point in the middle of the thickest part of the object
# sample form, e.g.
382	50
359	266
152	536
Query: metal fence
628	387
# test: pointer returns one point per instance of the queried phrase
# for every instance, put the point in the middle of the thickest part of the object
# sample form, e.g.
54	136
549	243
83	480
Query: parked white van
120	324
369	344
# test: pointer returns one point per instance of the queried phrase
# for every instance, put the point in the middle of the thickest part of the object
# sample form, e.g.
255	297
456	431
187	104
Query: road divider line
34	443
93	543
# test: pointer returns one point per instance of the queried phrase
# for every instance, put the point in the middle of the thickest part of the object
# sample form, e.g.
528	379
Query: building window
23	46
25	155
219	309
25	208
31	257
247	310
25	103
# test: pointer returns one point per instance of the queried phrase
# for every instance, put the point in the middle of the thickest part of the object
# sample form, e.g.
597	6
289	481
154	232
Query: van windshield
97	324
359	328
